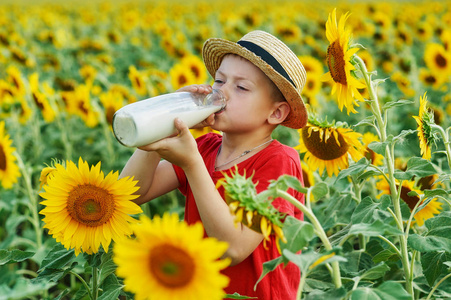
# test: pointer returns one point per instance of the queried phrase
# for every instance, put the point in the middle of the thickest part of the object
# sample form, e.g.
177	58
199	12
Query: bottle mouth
216	98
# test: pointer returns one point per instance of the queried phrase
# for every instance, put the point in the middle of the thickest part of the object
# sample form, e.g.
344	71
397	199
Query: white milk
150	120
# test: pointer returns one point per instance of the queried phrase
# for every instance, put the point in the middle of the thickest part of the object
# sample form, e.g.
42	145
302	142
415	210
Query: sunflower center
411	201
336	62
182	80
324	149
370	155
171	266
440	60
195	70
90	205
2	159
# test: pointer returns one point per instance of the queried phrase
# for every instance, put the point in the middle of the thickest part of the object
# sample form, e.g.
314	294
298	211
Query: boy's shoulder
280	154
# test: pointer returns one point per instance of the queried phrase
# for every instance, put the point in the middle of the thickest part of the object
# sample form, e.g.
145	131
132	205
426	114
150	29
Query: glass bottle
147	121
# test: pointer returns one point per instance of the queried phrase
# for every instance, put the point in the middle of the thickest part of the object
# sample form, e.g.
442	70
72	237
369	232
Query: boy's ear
280	112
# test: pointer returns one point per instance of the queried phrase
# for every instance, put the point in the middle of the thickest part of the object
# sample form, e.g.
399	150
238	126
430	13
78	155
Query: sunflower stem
95	288
446	142
66	143
33	199
375	107
318	229
437	285
301	286
83	282
444	199
390	163
393	246
110	149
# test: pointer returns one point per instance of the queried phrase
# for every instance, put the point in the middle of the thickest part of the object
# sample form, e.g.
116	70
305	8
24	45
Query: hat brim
215	49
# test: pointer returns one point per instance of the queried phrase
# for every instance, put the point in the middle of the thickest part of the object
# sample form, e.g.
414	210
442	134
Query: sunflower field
376	152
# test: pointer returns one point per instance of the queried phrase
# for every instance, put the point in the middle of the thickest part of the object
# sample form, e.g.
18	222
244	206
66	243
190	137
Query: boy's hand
197	88
202	89
180	150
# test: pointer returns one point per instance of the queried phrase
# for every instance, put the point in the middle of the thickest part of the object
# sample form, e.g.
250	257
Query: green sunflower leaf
13	256
57	258
388	290
374	229
396	103
111	288
287	181
320	190
416	166
369	210
435	192
433	264
367	121
308	260
269	266
237	296
298	234
380	147
333	294
437	238
107	266
403	134
356	169
375	272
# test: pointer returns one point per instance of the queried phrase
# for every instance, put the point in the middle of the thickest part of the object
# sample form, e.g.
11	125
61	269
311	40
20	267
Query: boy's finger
180	125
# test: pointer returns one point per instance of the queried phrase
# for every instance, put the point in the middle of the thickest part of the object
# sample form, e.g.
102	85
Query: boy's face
249	92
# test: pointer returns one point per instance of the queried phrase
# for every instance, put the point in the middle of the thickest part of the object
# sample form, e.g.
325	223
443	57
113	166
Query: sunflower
181	76
375	158
138	81
312	86
431	209
403	83
80	105
89	73
84	209
438	59
338	59
169	259
6	94
288	31
40	99
311	64
15	78
328	146
196	66
424	31
256	213
9	171
111	102
424	120
430	78
24	111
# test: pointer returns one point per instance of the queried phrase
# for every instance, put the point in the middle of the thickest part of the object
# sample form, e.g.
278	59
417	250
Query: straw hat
274	58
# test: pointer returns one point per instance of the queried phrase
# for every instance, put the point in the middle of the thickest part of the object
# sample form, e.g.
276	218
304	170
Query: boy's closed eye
240	87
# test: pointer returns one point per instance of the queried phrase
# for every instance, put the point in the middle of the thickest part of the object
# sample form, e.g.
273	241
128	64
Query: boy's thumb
180	125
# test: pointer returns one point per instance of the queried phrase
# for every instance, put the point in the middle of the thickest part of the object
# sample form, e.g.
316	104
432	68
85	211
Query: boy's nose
224	91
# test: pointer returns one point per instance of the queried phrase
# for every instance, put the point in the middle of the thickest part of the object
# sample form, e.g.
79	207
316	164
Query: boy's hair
271	56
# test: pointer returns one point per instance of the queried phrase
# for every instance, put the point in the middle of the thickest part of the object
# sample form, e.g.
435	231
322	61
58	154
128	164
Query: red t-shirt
270	163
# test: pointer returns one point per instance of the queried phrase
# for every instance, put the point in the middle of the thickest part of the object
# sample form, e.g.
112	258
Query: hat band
267	57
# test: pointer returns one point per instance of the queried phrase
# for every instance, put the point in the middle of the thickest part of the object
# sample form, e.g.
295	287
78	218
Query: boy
261	79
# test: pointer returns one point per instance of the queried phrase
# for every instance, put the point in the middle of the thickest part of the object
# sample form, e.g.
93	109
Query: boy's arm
155	177
214	212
